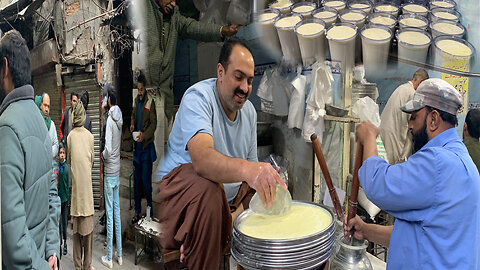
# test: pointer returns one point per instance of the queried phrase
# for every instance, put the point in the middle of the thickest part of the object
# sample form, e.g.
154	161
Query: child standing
64	193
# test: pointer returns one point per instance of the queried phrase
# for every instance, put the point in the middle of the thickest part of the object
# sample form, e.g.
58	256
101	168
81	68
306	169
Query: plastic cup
341	40
413	44
412	20
339	5
311	39
375	47
412	8
363	5
444	14
386	7
384	19
326	14
285	25
265	20
356	17
304	8
447	28
450	4
283	6
452	52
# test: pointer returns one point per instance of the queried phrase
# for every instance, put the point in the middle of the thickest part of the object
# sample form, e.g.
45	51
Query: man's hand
366	131
264	178
140	137
358	225
131	128
52	262
231	30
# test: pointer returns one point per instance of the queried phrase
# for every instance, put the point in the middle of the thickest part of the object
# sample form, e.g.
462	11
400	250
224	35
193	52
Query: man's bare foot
182	256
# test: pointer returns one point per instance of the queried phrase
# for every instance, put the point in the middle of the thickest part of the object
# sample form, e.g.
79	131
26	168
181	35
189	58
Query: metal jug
351	257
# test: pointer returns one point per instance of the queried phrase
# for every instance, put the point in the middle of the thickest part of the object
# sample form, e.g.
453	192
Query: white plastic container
450	4
304	8
384	19
386	7
283	6
413	44
326	14
285	25
444	14
412	20
339	5
265	20
311	39
447	28
412	8
375	47
363	5
341	40
354	16
452	51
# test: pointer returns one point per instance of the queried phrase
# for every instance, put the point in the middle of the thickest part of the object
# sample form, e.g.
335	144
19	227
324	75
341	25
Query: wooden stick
353	201
323	165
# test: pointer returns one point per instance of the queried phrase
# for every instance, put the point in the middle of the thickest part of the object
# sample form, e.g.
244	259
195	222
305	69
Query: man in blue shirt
211	150
434	196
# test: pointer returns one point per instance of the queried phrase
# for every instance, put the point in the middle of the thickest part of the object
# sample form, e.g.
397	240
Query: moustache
239	92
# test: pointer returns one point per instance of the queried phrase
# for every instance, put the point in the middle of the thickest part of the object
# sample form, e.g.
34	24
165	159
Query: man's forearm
378	234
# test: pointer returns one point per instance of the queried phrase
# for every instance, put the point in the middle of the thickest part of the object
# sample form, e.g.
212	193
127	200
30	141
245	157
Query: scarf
78	115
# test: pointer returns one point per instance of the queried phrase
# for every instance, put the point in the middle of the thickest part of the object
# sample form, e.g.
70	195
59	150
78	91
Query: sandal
136	218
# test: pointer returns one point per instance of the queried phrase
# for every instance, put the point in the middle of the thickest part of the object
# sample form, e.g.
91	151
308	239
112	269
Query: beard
420	138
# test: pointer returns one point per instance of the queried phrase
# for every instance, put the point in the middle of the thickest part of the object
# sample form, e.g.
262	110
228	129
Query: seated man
211	150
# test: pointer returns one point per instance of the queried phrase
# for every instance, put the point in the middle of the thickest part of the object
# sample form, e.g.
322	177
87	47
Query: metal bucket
309	252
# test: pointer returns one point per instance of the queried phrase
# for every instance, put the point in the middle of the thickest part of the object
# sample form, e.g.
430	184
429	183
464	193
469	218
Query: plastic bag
320	93
296	108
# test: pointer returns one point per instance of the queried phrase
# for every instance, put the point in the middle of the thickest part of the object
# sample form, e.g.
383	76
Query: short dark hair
60	146
112	94
14	48
43	95
85	99
420	74
447	117
473	123
73	93
141	79
227	48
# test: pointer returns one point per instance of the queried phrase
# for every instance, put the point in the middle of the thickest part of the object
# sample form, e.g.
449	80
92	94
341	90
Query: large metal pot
309	252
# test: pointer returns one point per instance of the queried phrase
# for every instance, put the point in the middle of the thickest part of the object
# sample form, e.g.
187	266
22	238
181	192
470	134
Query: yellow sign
459	82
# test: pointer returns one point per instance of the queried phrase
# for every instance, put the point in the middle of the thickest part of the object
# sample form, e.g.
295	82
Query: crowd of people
210	170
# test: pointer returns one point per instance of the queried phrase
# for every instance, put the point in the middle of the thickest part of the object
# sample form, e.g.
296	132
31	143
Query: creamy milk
311	39
338	5
300	221
412	22
413	45
442	4
416	9
375	48
360	6
282	5
386	21
452	49
268	32
444	15
341	40
354	17
328	17
303	9
288	38
390	9
446	28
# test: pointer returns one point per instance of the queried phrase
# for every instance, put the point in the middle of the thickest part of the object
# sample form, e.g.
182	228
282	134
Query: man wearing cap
434	195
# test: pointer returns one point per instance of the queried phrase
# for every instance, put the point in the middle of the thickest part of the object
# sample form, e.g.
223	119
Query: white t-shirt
201	111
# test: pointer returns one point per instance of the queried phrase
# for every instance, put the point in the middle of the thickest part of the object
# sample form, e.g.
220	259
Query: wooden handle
331	189
353	201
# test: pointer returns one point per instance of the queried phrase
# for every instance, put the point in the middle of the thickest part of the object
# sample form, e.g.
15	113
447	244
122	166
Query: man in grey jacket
30	204
111	158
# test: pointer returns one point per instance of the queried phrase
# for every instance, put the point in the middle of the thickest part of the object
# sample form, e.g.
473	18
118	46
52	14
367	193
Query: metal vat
309	252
